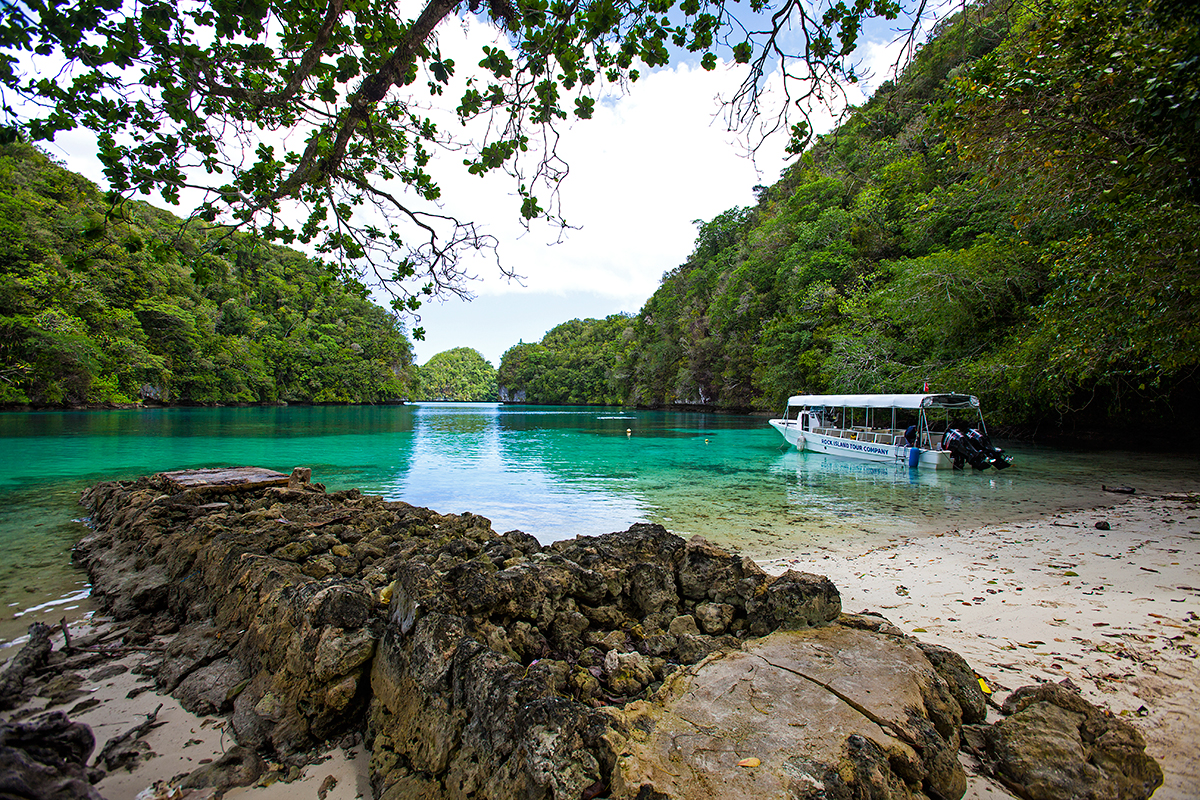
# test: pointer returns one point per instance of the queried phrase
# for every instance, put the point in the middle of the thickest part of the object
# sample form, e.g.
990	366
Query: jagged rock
251	623
194	646
28	659
791	601
690	649
684	625
627	673
301	476
212	688
1053	744
652	589
963	683
708	572
46	758
239	766
714	618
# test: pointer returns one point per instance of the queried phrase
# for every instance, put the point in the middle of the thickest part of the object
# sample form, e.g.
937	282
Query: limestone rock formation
273	598
1053	744
830	712
504	660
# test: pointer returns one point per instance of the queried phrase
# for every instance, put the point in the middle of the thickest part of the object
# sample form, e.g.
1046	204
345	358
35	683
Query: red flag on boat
926	386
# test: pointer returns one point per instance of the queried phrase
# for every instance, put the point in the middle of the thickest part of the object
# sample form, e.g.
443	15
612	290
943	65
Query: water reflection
519	468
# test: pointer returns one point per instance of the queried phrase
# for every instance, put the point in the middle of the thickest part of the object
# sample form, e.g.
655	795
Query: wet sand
1116	611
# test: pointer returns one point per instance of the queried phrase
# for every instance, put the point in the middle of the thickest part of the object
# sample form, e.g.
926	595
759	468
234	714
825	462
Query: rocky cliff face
476	664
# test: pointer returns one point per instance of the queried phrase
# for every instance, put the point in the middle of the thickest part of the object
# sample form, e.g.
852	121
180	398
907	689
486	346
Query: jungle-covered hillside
1017	216
103	305
460	374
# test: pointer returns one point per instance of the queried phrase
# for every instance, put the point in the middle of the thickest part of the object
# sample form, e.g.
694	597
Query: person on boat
910	435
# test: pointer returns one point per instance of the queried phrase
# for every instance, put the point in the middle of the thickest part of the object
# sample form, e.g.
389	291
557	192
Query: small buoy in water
706	441
629	431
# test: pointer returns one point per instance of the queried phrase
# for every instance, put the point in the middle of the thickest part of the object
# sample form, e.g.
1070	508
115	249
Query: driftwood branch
119	751
62	623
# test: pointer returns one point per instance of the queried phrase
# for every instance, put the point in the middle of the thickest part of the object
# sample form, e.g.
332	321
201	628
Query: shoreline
1123	628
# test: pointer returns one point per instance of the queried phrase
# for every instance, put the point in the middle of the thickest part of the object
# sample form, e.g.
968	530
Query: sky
642	170
654	159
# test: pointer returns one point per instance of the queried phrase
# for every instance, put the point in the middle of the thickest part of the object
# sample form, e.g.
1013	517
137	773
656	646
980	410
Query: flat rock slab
227	478
797	702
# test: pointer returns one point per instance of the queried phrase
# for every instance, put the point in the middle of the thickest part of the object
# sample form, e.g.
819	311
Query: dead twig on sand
120	751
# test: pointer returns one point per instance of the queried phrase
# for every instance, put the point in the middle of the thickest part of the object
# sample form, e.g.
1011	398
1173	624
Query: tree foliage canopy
575	363
324	112
461	374
119	308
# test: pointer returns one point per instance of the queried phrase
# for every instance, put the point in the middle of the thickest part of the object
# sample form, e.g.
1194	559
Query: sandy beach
1115	611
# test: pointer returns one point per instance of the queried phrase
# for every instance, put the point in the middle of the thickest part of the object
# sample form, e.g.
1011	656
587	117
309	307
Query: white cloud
640	171
647	164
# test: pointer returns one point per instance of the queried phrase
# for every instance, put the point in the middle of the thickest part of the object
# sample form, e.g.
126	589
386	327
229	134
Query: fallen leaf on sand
749	762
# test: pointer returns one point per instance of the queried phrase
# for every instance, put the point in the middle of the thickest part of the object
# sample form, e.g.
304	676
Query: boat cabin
874	426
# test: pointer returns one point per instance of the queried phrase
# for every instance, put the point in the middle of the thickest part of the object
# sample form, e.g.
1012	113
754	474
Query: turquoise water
553	472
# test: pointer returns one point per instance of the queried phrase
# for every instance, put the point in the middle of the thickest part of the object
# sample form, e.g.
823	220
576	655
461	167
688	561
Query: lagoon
553	472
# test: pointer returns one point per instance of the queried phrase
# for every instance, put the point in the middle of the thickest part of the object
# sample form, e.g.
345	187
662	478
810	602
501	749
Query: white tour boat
868	426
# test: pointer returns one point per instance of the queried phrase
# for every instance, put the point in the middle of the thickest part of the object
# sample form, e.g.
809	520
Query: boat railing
860	434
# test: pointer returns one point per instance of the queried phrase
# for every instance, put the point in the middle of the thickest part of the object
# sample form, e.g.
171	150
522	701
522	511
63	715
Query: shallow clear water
553	472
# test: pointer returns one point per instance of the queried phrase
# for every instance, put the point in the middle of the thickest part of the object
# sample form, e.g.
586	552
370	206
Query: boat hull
851	448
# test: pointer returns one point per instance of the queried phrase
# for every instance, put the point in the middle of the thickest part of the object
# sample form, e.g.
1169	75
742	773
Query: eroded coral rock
1053	743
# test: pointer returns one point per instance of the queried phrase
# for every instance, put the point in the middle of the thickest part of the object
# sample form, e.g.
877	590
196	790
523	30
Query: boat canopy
885	400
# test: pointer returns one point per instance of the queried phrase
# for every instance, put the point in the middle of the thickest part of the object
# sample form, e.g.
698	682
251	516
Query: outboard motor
954	441
964	449
996	456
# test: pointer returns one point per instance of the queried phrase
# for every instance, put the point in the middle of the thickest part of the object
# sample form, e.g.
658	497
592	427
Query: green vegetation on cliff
1017	216
101	305
575	363
460	374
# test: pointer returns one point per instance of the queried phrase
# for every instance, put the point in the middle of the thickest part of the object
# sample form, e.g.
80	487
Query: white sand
1117	611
